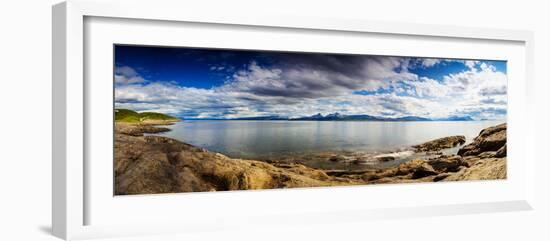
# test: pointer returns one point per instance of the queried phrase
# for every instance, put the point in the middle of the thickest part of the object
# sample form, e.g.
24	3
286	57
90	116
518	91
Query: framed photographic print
198	120
266	120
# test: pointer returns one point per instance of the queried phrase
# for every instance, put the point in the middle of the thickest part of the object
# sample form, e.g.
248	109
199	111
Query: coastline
153	164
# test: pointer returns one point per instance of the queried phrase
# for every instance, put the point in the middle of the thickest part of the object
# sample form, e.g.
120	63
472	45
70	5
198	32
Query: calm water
260	139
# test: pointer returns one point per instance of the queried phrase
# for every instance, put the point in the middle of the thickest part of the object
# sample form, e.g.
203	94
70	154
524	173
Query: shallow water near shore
275	140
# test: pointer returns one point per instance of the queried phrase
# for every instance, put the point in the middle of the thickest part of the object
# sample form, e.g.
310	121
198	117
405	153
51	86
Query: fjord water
261	139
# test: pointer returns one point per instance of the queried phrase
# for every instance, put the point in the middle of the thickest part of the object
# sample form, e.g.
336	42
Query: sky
217	83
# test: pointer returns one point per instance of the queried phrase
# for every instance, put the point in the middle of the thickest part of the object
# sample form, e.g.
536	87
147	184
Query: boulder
423	171
415	168
489	139
447	163
409	170
440	144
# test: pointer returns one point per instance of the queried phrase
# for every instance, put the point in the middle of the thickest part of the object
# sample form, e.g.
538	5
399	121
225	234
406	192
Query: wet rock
337	158
384	158
413	169
410	171
360	161
441	143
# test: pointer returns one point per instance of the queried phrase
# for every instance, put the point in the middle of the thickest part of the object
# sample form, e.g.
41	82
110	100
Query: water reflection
253	139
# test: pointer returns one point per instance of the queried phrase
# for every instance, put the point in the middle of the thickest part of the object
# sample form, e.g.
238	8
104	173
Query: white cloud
468	90
127	75
426	88
471	64
426	63
297	91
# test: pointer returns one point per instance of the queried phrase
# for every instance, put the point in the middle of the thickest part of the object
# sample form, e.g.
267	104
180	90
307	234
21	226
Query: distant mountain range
340	117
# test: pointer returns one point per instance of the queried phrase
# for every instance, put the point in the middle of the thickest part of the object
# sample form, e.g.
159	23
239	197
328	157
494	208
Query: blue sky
216	83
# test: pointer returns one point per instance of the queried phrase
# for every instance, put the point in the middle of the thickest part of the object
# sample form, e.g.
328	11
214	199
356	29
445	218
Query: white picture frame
71	189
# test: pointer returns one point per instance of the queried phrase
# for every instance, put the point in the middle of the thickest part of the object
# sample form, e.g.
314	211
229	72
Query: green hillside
125	115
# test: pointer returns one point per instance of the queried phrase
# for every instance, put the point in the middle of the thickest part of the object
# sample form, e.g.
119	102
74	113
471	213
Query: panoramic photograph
205	120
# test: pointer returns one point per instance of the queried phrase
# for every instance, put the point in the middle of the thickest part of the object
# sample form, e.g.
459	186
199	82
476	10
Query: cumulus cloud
303	85
424	88
493	90
471	63
426	63
127	75
329	75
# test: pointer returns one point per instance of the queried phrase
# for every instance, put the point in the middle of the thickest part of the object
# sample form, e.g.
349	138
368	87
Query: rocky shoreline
147	164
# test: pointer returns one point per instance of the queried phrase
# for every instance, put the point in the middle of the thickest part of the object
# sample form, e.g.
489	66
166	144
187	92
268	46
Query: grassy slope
124	115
